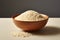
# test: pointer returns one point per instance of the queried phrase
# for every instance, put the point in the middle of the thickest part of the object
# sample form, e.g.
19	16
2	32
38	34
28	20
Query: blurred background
12	7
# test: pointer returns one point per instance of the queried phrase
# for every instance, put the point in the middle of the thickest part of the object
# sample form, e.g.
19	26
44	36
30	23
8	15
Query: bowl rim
13	17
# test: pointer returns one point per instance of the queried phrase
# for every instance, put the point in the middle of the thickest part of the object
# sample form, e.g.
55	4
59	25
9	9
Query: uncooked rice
30	15
21	34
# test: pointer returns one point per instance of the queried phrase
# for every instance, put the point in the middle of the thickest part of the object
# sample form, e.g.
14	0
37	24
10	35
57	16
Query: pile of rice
21	34
30	15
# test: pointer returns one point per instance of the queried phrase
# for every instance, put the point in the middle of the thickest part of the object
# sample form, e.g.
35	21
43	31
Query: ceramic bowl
30	25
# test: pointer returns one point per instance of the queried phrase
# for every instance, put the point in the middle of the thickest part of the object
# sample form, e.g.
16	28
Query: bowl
30	25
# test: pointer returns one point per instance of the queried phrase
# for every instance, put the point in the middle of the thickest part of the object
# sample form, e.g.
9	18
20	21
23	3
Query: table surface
50	32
